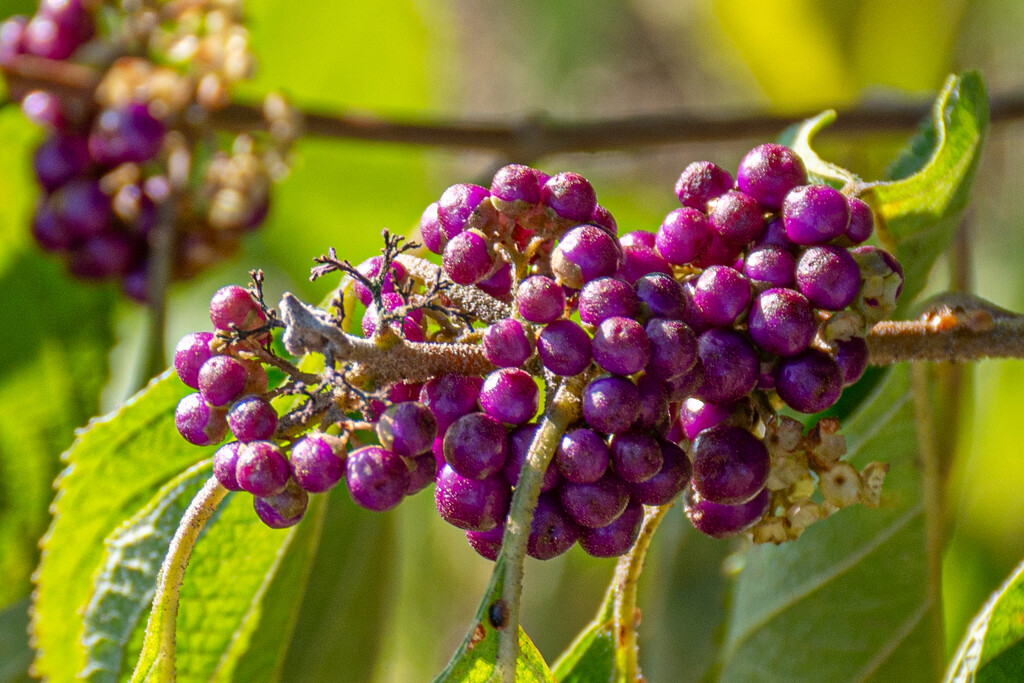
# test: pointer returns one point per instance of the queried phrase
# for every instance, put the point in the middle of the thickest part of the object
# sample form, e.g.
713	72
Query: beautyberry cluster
122	156
674	349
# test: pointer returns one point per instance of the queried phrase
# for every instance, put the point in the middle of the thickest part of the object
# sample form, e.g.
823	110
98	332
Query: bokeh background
404	583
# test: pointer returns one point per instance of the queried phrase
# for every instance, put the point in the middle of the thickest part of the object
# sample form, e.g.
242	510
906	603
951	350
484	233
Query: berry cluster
678	347
116	163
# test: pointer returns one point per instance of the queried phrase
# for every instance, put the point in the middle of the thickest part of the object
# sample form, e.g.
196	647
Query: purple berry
225	464
605	298
721	295
570	196
718	520
862	221
654	414
83	207
422	474
585	253
552	532
467	258
809	382
506	345
636	455
731	366
639	260
737	218
695	416
518	448
487	543
476	446
315	464
12	38
49	230
673	347
668	482
456	206
730	465
377	478
772	265
597	504
59	159
781	321
498	284
852	357
409	327
564	348
616	538
509	395
233	305
683	236
828	276
661	296
252	419
611	404
473	504
449	397
189	355
284	509
516	183
768	172
540	299
582	456
407	428
620	346
701	182
198	422
45	37
430	230
603	218
815	214
129	134
222	379
261	468
370	268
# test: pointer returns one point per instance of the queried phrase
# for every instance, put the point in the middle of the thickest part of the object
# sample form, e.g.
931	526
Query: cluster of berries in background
126	154
680	347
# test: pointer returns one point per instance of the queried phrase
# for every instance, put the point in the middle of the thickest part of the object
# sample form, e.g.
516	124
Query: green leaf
919	213
992	651
591	657
799	136
15	654
848	601
474	661
124	585
114	468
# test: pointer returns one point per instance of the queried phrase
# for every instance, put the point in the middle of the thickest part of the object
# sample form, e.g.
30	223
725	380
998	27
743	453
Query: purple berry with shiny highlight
456	206
467	258
377	478
225	464
252	419
189	355
810	382
585	253
620	346
721	295
636	455
370	268
781	321
772	265
611	404
673	347
407	428
605	298
730	465
552	531
284	509
737	218
721	521
582	456
597	504
540	299
261	469
198	422
127	134
449	397
476	446
828	276
683	236
564	348
430	230
570	196
506	344
731	365
516	183
661	296
862	221
668	482
315	462
472	504
222	379
510	395
615	539
768	172
815	214
700	182
852	357
487	544
233	305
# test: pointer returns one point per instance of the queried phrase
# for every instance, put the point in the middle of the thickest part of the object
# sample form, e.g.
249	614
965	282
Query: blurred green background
576	58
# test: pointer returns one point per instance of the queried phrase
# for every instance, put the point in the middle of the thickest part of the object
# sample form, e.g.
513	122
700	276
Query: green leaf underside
124	585
115	467
475	660
848	600
992	651
591	657
799	138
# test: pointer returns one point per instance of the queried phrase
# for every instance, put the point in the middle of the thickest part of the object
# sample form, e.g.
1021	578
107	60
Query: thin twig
895	341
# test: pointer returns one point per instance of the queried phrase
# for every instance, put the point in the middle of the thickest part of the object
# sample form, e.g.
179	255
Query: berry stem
563	410
542	136
471	299
159	643
627	575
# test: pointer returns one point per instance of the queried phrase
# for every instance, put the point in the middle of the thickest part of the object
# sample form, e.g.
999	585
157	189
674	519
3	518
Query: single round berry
737	218
456	206
516	183
126	134
768	172
261	469
718	520
12	38
475	446
407	428
772	265
570	196
467	258
315	462
607	297
506	344
486	543
683	236
552	532
730	465
636	455
862	221
828	276
852	357
673	347
701	182
582	456
234	306
225	464
189	356
430	230
585	253
661	296
564	348
252	419
449	397
815	214
473	504
509	395
668	482
731	366
809	382
222	379
284	509
616	538
597	504
611	404
377	478
519	442
781	321
721	295
540	299
620	346
198	422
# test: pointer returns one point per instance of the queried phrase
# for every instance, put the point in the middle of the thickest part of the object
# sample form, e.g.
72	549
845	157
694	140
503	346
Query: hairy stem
627	575
159	642
562	411
987	336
